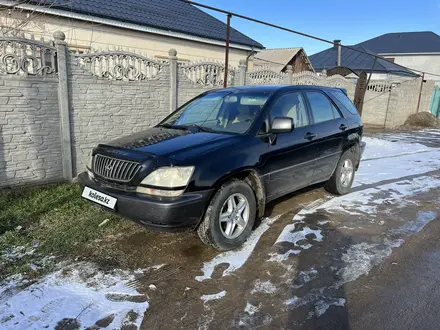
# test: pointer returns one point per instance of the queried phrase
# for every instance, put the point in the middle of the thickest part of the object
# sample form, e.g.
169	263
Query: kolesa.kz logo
98	198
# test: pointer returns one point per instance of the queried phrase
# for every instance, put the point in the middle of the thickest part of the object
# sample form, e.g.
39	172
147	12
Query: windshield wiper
187	127
182	127
201	128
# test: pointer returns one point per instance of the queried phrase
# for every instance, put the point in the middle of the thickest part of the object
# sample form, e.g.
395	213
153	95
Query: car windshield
220	112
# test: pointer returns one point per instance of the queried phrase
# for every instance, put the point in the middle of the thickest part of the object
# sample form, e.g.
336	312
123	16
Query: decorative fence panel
22	56
56	105
30	139
266	77
120	65
207	73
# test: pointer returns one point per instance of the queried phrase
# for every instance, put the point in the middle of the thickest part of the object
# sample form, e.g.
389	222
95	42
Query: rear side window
322	108
344	101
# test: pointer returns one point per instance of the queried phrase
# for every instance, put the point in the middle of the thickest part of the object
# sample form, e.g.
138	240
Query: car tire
342	179
214	229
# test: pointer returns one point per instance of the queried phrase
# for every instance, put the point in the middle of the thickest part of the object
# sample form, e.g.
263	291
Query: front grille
115	169
114	185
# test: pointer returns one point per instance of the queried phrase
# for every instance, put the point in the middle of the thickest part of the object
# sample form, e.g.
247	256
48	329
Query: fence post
289	71
172	57
242	68
63	104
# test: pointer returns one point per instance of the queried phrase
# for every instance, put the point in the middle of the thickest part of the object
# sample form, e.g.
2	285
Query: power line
300	33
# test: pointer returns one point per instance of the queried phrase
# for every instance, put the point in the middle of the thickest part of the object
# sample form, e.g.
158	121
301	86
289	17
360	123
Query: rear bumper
160	213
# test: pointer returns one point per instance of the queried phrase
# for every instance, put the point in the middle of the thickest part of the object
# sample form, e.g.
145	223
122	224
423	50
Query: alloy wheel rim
234	216
347	172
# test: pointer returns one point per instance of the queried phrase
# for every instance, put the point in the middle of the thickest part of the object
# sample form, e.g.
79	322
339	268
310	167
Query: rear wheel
230	216
342	179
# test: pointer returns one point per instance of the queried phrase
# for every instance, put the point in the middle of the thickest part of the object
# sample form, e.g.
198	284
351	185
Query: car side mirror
282	125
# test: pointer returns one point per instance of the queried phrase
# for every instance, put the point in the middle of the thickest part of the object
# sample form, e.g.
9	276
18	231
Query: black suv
214	163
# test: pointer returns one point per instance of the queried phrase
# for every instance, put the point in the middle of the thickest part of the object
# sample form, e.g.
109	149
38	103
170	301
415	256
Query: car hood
173	143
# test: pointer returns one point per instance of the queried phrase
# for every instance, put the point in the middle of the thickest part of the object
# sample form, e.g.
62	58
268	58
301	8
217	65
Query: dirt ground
256	295
366	260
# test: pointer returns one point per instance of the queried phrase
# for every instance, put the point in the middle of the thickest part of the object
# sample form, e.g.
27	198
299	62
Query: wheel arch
353	142
251	177
354	145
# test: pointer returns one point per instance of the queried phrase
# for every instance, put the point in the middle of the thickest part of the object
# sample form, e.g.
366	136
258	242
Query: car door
330	129
291	154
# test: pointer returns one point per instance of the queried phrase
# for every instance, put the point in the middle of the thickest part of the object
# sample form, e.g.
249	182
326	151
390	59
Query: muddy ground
367	260
362	269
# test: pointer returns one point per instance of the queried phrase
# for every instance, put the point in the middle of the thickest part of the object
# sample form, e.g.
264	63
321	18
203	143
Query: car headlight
168	178
89	165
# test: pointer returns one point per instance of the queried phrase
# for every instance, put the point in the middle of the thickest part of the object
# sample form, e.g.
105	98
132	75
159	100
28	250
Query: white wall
84	35
428	62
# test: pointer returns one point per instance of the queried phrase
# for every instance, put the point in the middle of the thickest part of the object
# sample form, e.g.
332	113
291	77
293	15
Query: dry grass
50	221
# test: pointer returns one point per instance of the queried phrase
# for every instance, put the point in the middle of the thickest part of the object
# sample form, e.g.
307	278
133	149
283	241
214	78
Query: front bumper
160	213
362	145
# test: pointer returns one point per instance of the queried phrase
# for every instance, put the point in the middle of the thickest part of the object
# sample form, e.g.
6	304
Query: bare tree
19	16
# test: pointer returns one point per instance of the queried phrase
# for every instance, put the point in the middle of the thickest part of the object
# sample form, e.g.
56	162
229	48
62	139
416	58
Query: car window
232	112
344	101
205	109
291	105
336	113
322	108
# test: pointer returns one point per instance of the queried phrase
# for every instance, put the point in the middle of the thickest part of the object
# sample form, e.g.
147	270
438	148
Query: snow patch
366	201
236	258
361	258
276	257
81	292
423	218
205	320
290	235
305	276
251	309
292	301
322	305
265	287
318	298
382	148
376	170
215	296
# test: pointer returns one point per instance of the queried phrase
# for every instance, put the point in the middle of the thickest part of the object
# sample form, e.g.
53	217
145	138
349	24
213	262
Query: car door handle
310	136
343	127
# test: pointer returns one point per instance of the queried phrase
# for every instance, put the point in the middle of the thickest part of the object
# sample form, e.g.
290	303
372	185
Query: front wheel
342	179
230	216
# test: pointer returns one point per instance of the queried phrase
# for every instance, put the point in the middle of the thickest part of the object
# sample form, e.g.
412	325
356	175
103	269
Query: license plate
98	197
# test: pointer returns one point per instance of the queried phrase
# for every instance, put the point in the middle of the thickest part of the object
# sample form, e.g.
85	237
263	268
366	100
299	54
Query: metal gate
435	103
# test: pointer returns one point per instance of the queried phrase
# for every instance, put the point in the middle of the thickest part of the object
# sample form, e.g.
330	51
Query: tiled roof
355	61
168	15
404	43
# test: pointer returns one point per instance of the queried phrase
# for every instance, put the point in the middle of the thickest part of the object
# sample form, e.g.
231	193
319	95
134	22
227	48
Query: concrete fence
56	105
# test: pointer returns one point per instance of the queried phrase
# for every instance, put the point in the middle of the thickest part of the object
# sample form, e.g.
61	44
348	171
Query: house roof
356	61
277	58
169	15
404	43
